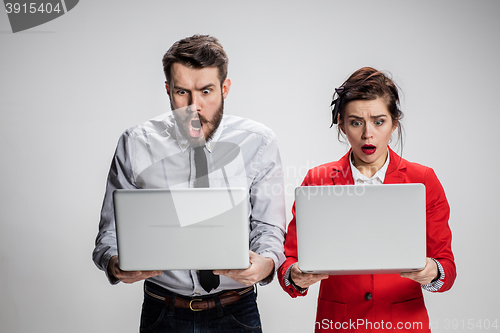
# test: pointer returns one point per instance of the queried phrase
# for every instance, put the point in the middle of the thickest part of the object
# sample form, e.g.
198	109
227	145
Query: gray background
69	88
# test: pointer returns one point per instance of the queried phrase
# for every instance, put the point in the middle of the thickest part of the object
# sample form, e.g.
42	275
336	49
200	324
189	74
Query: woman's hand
425	276
304	280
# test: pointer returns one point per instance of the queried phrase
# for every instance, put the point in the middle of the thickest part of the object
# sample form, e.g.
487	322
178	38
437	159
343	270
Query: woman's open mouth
368	149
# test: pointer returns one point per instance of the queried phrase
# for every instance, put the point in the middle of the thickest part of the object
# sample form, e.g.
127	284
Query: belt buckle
191	303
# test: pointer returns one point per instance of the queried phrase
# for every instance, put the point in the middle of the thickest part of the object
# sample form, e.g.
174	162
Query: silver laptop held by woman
361	229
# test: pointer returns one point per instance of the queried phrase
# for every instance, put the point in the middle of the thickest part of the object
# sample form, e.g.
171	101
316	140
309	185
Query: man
163	152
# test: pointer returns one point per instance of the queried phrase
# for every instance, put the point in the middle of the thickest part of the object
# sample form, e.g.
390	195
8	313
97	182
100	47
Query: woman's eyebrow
358	117
353	116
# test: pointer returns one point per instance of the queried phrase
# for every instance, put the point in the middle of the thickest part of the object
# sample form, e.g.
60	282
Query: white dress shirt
156	155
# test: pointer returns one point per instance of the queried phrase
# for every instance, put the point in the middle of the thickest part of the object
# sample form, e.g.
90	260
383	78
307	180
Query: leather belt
199	304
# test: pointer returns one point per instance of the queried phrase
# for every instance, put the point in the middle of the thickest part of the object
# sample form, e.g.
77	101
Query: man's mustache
204	120
189	109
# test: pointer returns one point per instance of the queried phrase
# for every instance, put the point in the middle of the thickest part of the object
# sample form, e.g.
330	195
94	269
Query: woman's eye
356	123
379	122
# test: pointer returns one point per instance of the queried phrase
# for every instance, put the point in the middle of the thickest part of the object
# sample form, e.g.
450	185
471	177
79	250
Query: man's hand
304	280
260	268
128	276
425	276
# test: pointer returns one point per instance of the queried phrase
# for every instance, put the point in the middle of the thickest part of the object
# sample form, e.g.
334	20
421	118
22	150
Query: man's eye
206	91
181	92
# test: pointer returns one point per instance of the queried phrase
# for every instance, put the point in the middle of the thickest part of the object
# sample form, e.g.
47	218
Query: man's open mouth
196	124
195	128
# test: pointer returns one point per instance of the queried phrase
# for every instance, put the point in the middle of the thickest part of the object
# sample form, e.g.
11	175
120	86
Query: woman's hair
368	84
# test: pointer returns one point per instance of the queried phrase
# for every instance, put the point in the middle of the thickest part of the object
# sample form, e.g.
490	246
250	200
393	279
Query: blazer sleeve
291	250
438	230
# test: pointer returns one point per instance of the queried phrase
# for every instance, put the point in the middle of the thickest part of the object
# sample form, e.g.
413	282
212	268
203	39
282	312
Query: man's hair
197	51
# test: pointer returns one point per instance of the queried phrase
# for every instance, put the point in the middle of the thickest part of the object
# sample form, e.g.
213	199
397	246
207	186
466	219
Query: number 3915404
32	8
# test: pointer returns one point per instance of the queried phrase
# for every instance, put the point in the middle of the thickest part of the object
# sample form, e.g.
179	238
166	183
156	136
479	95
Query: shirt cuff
435	285
289	281
270	277
111	278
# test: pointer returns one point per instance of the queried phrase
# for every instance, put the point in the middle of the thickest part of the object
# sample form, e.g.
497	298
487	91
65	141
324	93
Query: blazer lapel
396	170
341	171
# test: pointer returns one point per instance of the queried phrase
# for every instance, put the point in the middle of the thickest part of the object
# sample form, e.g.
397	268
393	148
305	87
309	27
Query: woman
367	112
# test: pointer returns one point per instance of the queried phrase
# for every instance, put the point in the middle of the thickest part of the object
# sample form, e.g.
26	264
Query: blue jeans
158	316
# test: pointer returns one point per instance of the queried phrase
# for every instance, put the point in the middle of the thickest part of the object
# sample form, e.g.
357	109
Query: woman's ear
395	125
341	126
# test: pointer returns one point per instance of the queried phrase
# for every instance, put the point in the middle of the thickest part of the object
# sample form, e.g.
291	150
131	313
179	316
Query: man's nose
194	104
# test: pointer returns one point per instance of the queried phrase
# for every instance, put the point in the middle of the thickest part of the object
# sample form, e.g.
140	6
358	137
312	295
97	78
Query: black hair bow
336	105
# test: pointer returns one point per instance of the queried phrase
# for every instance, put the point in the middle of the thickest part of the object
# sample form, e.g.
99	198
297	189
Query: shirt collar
183	142
379	176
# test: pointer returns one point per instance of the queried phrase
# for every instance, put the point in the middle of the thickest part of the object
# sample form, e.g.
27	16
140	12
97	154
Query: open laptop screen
361	229
189	228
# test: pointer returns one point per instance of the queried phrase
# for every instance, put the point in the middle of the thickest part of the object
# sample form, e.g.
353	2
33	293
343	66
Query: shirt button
368	296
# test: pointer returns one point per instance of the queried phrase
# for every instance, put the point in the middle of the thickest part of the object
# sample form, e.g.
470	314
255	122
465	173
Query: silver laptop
191	228
371	229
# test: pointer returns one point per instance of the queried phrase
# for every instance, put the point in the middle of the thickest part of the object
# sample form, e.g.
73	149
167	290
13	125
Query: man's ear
167	88
225	88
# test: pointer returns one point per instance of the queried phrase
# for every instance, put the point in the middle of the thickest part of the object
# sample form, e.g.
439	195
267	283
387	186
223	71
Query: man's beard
215	122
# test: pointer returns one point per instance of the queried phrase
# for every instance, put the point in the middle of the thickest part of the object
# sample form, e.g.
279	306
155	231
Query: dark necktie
208	280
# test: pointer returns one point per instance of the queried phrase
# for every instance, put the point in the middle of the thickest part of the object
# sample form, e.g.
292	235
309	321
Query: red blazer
344	302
